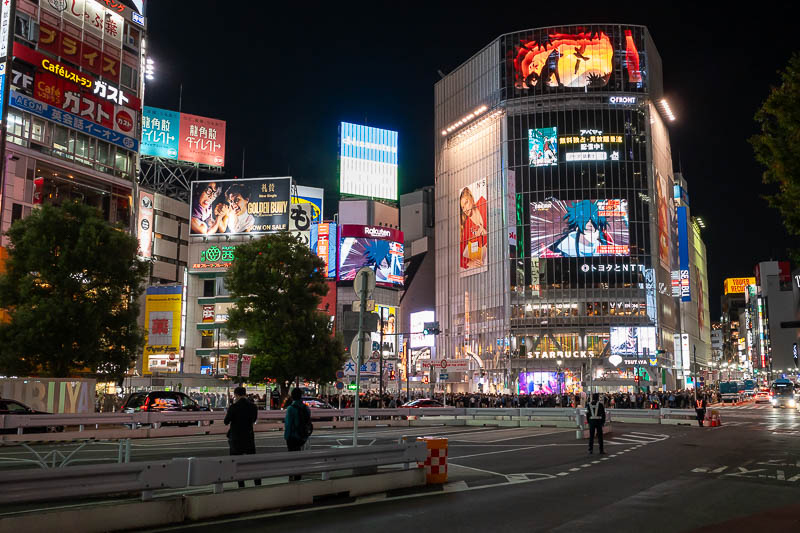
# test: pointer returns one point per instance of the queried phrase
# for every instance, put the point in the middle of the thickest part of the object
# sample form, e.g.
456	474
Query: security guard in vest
596	414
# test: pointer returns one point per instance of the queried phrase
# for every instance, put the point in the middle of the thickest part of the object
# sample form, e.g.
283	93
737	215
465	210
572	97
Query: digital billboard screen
234	207
378	248
418	339
183	137
633	340
543	147
579	228
538	382
368	161
323	242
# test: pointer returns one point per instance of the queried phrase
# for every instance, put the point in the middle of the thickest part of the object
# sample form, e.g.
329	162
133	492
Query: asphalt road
744	475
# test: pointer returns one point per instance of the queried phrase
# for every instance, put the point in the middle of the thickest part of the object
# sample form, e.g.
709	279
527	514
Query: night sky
284	79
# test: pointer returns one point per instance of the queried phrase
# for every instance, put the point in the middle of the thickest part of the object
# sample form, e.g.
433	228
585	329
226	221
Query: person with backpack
297	425
241	416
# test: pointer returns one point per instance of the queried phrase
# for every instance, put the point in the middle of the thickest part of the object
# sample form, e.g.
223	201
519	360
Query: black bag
306	428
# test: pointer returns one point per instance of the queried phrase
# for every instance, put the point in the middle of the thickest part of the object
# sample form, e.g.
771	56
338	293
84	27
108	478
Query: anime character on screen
473	229
586	231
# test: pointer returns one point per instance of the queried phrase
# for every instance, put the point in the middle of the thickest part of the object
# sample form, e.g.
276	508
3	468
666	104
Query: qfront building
566	256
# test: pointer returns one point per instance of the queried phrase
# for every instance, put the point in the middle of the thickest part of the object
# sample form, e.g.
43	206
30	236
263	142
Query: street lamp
241	339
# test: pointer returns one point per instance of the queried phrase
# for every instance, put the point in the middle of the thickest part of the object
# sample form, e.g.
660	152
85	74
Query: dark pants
243	448
596	427
294	446
701	415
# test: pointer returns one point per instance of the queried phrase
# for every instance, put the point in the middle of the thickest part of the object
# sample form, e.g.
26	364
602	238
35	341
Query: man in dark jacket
596	415
297	413
241	416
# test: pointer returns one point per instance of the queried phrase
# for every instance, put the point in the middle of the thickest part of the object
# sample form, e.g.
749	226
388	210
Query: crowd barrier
15	428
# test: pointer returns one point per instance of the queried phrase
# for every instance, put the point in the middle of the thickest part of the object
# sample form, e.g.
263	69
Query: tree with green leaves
278	284
71	286
777	145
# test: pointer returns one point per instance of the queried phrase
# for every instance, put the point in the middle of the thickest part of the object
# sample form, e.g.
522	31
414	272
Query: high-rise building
559	217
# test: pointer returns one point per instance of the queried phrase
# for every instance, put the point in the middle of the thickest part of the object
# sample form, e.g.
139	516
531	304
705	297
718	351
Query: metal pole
364	288
408	372
380	364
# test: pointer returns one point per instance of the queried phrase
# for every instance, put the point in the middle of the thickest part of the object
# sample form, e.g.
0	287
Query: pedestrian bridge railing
23	486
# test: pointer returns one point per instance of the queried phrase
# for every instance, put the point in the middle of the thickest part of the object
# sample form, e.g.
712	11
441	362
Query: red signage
202	140
371	232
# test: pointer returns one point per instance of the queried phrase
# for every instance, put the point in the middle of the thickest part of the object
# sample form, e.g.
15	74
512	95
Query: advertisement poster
300	218
233	363
324	243
311	196
376	247
368	159
633	340
163	329
201	140
160	132
145	224
387	325
511	207
664	219
473	220
579	228
543	147
564	60
234	207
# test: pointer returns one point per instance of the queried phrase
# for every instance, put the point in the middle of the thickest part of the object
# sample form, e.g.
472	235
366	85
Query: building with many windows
557	223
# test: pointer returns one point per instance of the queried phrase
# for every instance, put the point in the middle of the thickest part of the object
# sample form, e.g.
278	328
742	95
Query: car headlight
791	403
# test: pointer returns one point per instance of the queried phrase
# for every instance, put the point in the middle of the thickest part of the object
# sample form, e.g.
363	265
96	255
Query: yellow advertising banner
738	285
163	329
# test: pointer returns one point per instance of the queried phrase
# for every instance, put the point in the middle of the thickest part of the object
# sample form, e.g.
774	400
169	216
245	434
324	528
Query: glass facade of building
554	191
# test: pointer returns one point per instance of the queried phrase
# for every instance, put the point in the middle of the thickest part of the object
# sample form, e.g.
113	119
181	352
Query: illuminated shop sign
613	268
578	354
591	145
683	254
215	257
630	100
739	285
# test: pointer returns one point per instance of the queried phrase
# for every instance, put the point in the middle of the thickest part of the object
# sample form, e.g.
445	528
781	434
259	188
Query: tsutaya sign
578	354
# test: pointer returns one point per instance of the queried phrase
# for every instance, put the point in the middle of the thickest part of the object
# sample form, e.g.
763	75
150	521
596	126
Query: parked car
160	402
13	407
423	402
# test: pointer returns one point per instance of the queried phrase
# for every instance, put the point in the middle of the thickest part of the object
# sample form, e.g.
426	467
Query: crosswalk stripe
629	440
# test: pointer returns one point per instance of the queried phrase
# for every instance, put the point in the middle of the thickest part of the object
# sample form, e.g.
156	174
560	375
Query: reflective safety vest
699	404
594	408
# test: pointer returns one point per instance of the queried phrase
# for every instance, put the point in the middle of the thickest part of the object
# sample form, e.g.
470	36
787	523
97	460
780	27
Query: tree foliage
777	145
278	285
70	286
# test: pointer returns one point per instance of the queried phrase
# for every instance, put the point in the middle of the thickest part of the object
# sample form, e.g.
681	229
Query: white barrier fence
22	486
19	428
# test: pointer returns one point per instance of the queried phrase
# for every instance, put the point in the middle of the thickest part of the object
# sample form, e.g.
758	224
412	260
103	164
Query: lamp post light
241	339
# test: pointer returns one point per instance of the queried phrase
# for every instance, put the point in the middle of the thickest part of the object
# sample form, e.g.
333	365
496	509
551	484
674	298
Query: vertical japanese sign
233	361
683	254
324	242
246	359
163	334
202	140
5	24
144	226
160	132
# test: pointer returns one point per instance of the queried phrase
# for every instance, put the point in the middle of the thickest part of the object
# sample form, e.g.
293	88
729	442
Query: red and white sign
202	140
208	313
233	360
246	359
450	365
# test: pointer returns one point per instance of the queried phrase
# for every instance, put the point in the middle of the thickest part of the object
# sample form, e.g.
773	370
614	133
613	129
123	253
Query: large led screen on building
543	147
323	241
368	161
418	339
579	228
474	230
538	382
183	137
633	340
378	248
234	207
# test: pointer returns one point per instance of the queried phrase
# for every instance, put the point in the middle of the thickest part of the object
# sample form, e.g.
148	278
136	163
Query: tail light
146	405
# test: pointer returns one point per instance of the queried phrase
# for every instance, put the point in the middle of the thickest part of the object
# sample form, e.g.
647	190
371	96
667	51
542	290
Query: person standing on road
596	413
700	408
297	424
241	416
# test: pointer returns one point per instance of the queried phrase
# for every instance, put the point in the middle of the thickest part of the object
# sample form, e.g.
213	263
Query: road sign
443	376
366	348
350	321
357	306
339	374
453	365
339	385
352	386
358	283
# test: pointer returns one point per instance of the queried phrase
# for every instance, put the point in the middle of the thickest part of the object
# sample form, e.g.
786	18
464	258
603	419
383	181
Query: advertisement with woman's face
473	221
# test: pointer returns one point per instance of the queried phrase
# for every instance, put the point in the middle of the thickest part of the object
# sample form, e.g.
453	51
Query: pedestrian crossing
636	437
747	407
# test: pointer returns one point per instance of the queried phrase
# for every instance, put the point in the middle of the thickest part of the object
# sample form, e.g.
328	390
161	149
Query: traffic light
431	328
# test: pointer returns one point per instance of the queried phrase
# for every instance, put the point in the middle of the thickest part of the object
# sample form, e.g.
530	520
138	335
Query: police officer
596	414
700	405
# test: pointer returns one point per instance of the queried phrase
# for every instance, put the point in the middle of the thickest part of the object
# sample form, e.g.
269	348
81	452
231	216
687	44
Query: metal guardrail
21	486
